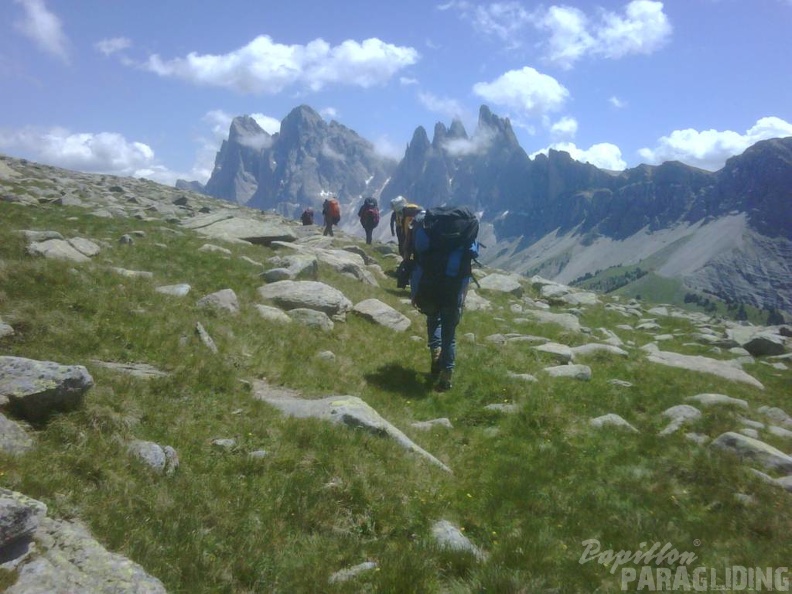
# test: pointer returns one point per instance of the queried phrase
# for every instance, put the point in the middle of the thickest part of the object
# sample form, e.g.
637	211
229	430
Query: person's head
398	203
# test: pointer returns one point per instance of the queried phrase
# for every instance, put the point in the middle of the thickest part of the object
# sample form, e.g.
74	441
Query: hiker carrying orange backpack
331	211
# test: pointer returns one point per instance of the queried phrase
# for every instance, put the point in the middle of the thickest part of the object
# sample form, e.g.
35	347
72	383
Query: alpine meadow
204	397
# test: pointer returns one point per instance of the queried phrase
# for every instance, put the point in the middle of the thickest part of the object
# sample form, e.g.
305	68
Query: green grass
527	487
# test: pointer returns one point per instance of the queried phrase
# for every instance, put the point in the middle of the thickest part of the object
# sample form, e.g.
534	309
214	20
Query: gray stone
71	561
752	449
578	372
20	517
717	400
704	365
36	389
679	415
502	283
525	377
273	314
299	266
224	300
306	294
764	344
235	229
224	443
776	414
451	538
311	318
565	320
425	425
344	575
56	249
595	348
132	273
138	370
612	419
161	459
502	407
382	314
205	338
84	246
216	249
180	290
350	411
561	352
38	236
13	438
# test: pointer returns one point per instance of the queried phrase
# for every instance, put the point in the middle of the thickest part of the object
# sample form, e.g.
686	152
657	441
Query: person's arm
393	223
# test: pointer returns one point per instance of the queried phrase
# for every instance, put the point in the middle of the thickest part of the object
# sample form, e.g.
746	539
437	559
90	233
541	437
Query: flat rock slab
138	370
502	283
56	249
383	314
344	410
578	372
679	415
35	389
237	229
565	320
451	538
704	365
612	419
597	348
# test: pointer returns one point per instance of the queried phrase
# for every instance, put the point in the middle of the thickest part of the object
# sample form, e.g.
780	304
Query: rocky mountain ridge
550	199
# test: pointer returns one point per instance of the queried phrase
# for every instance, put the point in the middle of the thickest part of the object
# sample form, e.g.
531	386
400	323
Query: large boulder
36	389
382	314
289	294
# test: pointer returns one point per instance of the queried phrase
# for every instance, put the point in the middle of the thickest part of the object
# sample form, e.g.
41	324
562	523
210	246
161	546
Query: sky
148	88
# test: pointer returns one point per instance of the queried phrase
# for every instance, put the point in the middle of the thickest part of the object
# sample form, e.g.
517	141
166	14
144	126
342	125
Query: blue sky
148	88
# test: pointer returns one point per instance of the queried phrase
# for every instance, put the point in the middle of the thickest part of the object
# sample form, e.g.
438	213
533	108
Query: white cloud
44	28
103	152
447	107
268	123
709	149
407	81
641	29
385	147
478	143
603	155
528	92
263	66
328	113
566	127
617	103
331	153
112	45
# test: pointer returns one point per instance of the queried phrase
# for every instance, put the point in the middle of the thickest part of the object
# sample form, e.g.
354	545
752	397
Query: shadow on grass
400	380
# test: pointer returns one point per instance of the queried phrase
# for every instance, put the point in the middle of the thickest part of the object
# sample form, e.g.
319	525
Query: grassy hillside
528	487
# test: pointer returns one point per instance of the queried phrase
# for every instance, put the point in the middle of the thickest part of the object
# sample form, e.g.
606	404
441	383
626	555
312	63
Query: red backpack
334	210
370	216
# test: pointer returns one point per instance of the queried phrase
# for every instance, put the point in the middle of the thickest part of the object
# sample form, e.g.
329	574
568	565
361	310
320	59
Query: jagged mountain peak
501	127
242	126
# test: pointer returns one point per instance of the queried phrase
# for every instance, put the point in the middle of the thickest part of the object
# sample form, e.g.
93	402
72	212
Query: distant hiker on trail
444	244
369	216
307	217
401	219
331	211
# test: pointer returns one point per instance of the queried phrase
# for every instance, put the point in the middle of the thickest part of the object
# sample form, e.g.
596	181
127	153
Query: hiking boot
444	381
435	370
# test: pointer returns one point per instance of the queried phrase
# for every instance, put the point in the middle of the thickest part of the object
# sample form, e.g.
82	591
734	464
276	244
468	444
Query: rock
502	283
350	411
776	414
424	425
578	372
36	389
132	273
565	320
595	348
611	419
561	352
382	314
765	344
273	314
13	438
20	517
296	267
180	290
39	236
704	365
620	383
211	248
306	294
475	302
679	415
451	538
225	300
5	329
138	370
311	318
525	377
717	399
56	249
344	575
502	407
162	459
752	449
205	338
235	229
84	246
70	560
224	443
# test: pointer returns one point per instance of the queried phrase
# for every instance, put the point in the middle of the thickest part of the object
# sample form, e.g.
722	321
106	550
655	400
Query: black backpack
446	262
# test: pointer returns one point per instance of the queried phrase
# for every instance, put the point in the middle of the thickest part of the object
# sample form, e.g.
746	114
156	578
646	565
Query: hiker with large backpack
369	216
307	217
444	246
331	211
401	221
